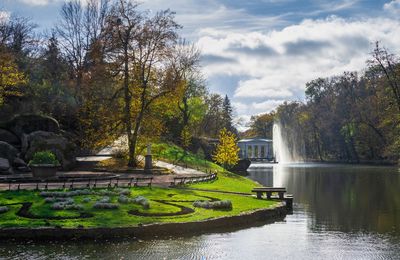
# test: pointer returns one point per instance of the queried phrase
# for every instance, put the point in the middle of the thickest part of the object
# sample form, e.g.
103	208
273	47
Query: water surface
340	212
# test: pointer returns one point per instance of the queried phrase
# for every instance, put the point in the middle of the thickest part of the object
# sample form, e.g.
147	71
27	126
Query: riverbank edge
247	219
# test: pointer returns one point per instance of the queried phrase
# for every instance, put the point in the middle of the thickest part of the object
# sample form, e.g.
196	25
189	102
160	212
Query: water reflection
340	197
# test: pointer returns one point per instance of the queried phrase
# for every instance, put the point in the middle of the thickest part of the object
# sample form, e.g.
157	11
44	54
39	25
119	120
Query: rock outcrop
64	150
9	137
5	166
26	124
25	135
8	151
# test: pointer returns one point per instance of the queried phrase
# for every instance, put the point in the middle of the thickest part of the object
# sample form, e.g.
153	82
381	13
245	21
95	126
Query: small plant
105	205
222	204
4	209
86	200
60	199
140	200
44	157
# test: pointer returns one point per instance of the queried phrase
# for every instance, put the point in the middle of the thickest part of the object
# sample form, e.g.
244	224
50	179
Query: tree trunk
127	109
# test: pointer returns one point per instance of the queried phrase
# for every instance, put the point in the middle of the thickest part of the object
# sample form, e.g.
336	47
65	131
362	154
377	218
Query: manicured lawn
120	217
166	205
226	181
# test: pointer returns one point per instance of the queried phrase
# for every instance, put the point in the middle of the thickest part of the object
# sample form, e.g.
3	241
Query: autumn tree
261	125
227	150
11	78
388	65
191	92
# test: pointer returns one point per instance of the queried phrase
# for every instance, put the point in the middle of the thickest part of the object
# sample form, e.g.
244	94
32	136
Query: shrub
105	205
74	207
4	209
67	193
105	199
140	200
222	204
54	199
44	157
86	200
67	204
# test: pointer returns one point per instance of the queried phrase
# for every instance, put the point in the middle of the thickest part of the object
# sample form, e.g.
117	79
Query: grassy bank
226	181
161	203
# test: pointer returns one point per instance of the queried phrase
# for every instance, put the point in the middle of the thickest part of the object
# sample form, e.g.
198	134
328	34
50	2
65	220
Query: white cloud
46	2
4	16
275	65
36	2
392	7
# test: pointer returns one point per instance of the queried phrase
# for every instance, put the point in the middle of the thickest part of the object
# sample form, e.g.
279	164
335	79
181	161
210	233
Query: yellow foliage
227	150
10	77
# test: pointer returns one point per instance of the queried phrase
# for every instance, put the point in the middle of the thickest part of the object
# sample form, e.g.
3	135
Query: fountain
287	145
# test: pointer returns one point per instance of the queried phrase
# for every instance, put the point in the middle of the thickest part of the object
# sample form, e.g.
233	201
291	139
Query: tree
389	65
227	150
227	115
11	78
211	123
261	125
145	48
80	26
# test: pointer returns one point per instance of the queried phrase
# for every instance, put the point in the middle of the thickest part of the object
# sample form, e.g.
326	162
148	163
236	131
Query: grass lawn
226	181
166	204
121	217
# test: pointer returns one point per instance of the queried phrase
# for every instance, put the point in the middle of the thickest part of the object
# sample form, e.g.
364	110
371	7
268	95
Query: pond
340	212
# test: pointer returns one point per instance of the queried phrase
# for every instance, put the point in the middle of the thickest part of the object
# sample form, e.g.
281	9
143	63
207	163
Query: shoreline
156	230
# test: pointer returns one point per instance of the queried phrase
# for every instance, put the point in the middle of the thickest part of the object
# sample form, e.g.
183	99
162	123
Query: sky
262	52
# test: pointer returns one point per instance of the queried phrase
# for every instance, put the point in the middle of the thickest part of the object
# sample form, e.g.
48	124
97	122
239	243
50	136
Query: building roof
255	140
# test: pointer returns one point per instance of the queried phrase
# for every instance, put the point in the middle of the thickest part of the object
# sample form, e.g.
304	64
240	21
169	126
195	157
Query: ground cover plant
140	205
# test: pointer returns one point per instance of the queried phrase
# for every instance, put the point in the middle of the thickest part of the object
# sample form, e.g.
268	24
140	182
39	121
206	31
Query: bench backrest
270	189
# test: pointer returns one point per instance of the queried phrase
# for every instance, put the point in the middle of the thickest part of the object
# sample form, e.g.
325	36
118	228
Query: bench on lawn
269	191
178	181
143	180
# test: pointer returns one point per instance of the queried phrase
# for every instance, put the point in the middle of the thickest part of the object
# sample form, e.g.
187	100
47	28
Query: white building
256	149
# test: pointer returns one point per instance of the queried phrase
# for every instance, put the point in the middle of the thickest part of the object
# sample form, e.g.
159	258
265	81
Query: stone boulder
241	166
64	150
8	151
26	124
5	166
9	137
20	165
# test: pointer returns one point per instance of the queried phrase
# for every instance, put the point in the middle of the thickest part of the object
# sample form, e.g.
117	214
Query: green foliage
261	126
44	157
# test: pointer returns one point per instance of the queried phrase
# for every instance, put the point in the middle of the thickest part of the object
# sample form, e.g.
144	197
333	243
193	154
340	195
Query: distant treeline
107	68
350	118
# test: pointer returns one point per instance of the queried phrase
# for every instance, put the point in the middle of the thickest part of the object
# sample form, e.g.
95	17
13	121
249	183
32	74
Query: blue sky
262	52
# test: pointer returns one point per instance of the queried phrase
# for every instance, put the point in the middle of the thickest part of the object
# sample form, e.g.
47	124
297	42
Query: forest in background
107	69
352	117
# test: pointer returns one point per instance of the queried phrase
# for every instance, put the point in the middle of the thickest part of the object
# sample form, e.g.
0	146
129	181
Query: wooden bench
178	181
143	180
269	191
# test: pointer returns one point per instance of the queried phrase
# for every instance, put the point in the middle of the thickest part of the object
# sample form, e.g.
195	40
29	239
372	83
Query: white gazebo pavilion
256	149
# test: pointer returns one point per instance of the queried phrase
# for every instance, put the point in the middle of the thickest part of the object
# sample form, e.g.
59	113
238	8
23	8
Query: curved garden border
243	220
